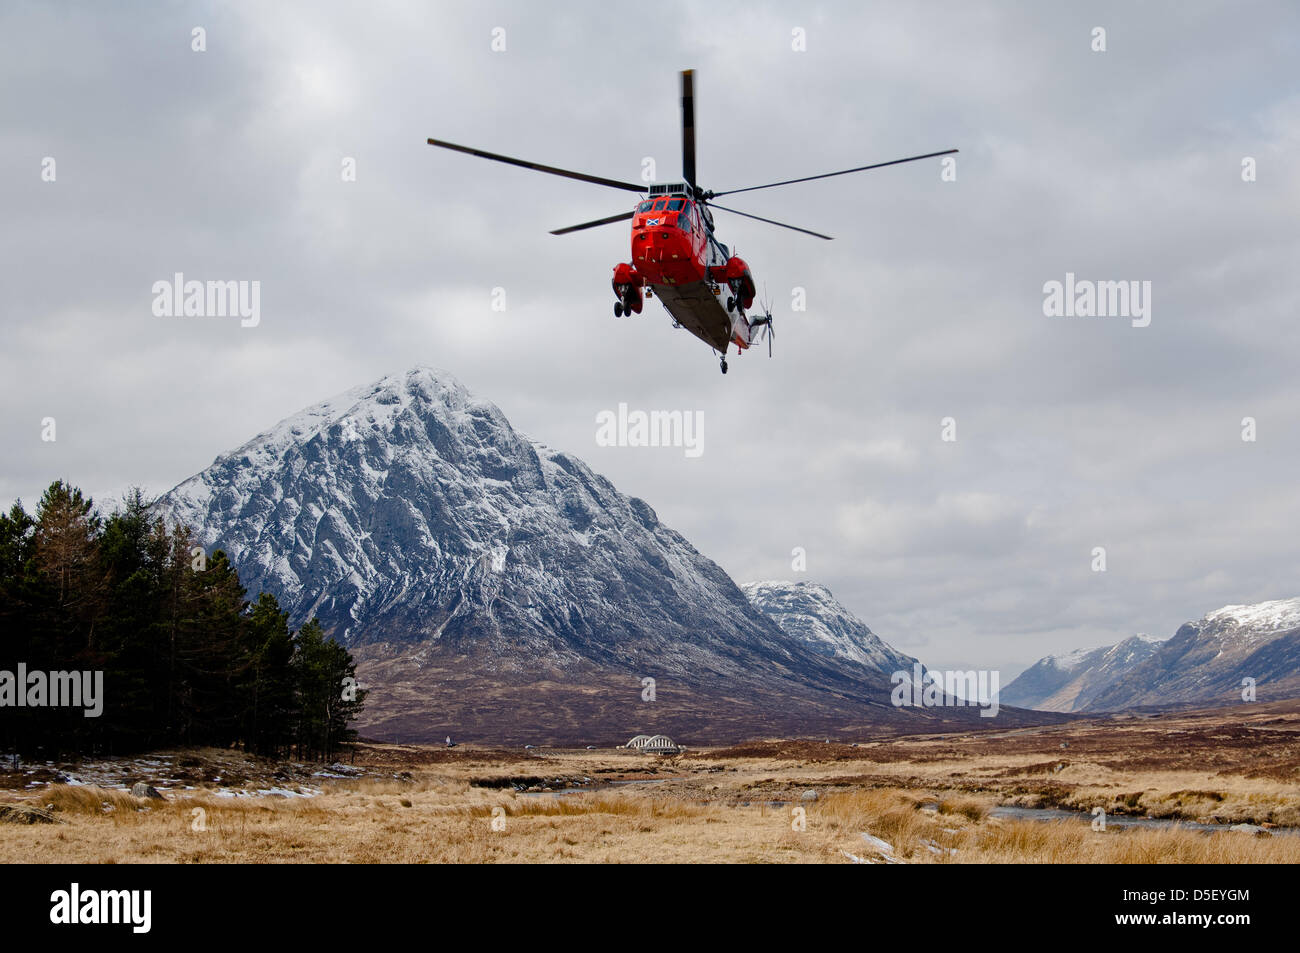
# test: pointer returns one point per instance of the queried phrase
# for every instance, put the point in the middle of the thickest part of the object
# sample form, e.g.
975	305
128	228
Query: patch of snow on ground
882	847
266	792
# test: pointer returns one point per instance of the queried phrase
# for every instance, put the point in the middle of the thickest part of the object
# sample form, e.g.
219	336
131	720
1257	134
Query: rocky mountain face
808	612
493	588
1206	661
1071	682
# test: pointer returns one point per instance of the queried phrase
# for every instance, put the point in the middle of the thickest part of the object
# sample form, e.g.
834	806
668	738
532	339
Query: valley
902	799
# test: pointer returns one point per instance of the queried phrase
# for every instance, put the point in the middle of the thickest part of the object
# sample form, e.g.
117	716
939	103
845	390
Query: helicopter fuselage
676	257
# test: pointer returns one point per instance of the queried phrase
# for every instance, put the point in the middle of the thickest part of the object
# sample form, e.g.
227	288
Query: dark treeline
185	658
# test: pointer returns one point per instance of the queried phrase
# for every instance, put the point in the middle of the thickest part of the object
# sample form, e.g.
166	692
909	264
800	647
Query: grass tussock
887	813
87	799
972	808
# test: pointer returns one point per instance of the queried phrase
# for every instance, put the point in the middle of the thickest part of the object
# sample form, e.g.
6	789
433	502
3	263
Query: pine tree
327	691
67	529
270	696
185	658
67	597
20	638
128	623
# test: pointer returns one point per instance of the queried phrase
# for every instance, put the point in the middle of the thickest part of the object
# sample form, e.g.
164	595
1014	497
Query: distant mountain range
1070	682
1203	664
493	588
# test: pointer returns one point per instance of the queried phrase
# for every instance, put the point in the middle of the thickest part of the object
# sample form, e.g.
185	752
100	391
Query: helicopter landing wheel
618	309
724	365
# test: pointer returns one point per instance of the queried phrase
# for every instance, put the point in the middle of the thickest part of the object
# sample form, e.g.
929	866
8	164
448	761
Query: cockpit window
676	205
646	206
659	206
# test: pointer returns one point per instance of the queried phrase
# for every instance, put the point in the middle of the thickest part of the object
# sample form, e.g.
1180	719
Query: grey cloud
1072	432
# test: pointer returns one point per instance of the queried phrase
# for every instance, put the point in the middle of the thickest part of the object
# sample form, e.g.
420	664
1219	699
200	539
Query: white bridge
654	744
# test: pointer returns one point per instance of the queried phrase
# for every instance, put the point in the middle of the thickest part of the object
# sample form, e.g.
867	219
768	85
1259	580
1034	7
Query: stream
1010	812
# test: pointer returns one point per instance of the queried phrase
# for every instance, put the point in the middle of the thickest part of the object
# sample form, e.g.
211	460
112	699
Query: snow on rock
809	613
882	847
1070	682
409	512
1211	660
1070	661
1263	618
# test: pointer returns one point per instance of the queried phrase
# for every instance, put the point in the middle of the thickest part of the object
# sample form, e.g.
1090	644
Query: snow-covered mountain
489	584
408	510
1070	682
809	613
1206	661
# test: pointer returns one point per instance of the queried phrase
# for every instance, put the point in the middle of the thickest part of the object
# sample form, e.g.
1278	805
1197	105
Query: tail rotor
764	321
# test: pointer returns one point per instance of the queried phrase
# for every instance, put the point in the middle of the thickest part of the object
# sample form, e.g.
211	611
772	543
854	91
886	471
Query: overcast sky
1072	433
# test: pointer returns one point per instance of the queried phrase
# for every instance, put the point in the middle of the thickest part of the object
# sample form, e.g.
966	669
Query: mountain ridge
1203	663
810	612
1206	661
1069	682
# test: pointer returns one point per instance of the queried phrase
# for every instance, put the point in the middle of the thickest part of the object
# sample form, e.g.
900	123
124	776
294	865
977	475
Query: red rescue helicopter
675	254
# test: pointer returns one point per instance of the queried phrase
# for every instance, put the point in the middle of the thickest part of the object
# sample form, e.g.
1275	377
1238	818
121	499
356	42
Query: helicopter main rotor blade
621	217
769	221
688	125
538	167
827	175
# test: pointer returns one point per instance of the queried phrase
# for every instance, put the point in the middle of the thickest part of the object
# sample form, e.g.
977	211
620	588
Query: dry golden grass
89	800
966	834
449	821
972	808
930	798
1219	766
